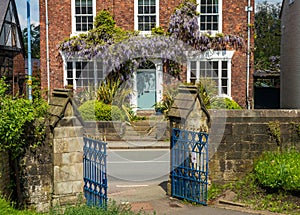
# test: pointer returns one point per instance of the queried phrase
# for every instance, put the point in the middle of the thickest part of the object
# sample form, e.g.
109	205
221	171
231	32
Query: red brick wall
19	73
59	13
235	22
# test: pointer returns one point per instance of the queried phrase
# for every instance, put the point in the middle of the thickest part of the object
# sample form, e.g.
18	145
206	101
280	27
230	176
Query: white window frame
74	61
136	17
220	26
73	18
212	56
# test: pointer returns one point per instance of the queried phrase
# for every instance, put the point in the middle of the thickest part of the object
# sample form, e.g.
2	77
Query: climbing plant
122	51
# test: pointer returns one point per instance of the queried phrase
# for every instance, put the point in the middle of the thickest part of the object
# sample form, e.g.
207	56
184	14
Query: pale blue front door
146	89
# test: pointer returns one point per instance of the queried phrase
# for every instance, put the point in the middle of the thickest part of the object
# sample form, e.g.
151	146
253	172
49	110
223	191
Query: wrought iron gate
189	161
94	172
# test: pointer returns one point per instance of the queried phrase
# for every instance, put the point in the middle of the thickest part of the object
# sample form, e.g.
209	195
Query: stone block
71	172
68	187
65	145
233	176
71	158
71	131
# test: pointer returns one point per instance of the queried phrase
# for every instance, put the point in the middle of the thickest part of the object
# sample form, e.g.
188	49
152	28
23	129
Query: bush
224	103
279	171
95	110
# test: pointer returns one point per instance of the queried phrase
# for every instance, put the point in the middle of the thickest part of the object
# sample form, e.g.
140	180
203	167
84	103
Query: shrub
279	171
95	110
224	103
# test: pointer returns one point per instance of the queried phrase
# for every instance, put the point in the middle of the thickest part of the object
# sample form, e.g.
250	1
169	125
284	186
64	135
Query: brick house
12	51
67	18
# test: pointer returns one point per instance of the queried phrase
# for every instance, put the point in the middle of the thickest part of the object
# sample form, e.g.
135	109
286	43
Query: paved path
151	197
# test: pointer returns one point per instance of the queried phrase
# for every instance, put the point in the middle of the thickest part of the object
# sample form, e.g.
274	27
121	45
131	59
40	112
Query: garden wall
244	135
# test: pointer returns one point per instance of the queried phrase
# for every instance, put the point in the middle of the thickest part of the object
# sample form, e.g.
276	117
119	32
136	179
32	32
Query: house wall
289	56
59	14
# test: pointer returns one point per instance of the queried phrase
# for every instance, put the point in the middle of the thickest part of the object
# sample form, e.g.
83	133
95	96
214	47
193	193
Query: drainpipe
47	49
29	52
248	9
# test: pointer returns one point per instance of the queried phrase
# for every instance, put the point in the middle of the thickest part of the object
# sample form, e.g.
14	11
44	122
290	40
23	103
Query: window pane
90	10
90	3
193	65
153	2
70	82
209	9
140	2
224	73
140	27
77	10
140	9
77	2
78	73
69	65
152	9
224	64
69	74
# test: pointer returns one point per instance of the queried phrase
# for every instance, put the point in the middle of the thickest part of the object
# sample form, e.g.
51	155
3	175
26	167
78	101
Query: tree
267	38
35	41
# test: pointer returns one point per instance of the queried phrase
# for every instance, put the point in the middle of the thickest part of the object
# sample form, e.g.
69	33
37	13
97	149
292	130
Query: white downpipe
249	9
47	49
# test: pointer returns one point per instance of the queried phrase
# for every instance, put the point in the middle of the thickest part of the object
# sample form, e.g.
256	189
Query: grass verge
250	193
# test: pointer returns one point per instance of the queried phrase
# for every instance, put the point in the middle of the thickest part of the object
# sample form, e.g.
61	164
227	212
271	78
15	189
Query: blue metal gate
189	161
94	172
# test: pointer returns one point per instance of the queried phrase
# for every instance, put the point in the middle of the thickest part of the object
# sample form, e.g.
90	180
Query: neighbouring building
289	56
228	68
12	51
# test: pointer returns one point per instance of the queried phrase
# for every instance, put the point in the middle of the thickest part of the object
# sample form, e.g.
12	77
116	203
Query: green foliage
159	31
258	198
35	40
107	90
170	91
279	171
214	191
85	94
95	110
21	122
105	30
274	130
224	103
7	208
267	34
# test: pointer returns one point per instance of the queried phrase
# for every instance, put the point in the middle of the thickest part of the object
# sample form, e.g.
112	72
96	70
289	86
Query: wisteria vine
123	50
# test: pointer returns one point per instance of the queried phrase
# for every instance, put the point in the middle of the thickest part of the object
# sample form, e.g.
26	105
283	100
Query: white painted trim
73	21
212	56
220	18
136	17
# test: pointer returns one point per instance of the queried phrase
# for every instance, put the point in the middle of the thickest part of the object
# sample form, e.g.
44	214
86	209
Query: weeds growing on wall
274	130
